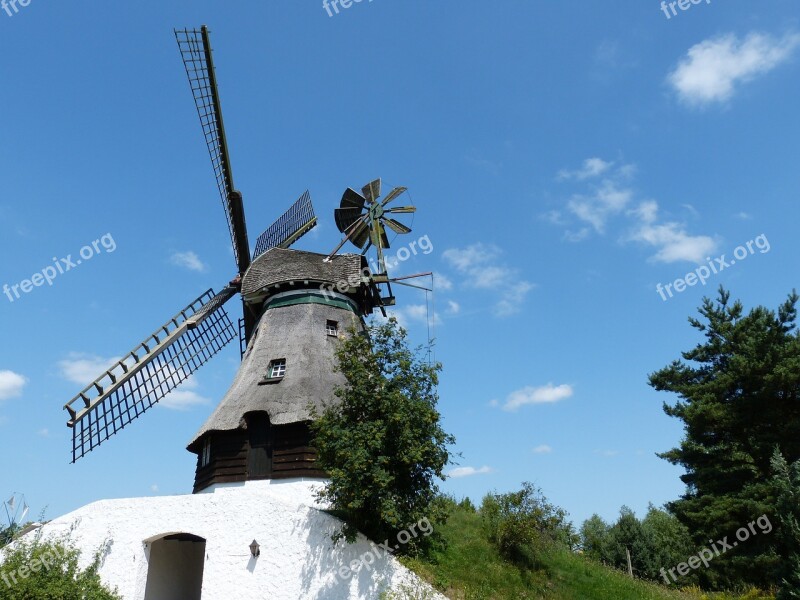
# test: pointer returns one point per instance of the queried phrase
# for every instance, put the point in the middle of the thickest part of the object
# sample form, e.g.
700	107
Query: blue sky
566	159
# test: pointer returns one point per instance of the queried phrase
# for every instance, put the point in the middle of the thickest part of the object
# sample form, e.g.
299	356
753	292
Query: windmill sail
290	227
151	371
195	49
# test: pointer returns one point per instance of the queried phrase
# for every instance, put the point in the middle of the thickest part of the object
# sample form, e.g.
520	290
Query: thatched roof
279	266
297	333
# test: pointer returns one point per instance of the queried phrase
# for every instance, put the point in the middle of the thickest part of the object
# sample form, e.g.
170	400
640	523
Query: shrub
48	570
521	523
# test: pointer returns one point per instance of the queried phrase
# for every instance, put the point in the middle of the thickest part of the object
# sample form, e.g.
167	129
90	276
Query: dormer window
332	328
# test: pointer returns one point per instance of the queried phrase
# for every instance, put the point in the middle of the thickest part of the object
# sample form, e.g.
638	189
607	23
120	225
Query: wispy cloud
414	313
453	308
468	471
546	394
83	368
442	282
713	69
592	167
543	449
483	269
671	240
187	260
185	397
11	384
613	200
606	201
607	453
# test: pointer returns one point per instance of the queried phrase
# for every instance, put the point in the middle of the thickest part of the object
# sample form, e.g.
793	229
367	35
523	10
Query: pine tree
738	400
787	486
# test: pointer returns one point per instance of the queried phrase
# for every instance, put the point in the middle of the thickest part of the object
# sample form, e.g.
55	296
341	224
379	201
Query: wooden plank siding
291	456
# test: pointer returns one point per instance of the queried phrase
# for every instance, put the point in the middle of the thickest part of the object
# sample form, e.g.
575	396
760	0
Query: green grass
471	569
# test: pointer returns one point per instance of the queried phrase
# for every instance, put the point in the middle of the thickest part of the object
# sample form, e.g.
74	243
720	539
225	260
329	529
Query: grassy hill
472	569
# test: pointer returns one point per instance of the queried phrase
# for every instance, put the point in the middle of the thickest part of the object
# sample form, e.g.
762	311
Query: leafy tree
49	570
655	542
628	535
787	484
7	534
382	444
668	541
596	539
521	523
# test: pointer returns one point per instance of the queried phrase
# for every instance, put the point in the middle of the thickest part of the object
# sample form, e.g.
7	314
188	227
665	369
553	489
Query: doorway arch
175	567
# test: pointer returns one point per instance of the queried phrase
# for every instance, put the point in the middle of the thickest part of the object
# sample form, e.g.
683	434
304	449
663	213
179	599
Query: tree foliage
49	570
7	534
382	444
738	401
655	542
787	486
521	523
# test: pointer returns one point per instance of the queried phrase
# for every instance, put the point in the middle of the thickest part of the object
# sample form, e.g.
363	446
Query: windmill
290	323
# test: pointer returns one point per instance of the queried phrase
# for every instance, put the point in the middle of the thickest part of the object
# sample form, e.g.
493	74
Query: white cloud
671	240
187	260
480	264
11	384
513	297
45	433
607	453
546	394
83	368
154	488
453	308
543	449
743	216
608	199
712	69
468	471
592	167
612	198
442	282
413	313
184	397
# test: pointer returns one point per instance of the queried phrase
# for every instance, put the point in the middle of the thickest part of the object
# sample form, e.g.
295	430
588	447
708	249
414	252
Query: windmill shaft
242	244
212	80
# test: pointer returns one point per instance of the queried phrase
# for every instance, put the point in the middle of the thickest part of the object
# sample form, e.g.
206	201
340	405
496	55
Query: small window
205	457
277	368
332	328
